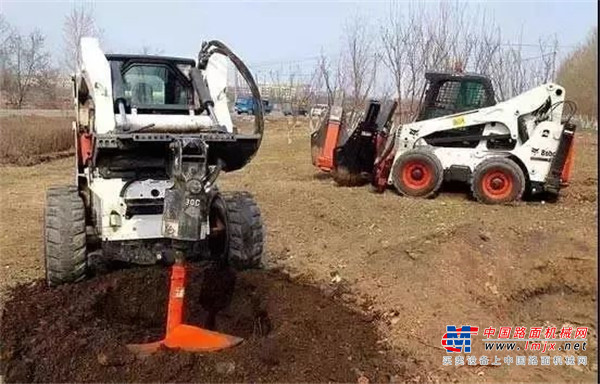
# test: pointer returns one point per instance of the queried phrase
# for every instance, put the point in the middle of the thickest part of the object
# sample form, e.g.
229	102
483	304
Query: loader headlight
114	220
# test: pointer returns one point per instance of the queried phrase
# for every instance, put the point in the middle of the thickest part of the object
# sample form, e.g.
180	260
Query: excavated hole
292	332
209	302
554	302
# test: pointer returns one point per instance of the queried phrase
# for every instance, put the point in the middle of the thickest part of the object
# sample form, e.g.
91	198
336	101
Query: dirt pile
293	332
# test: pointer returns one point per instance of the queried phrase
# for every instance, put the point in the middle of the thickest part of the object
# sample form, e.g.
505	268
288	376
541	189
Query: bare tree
545	69
6	36
579	75
297	92
332	78
80	22
26	65
360	60
408	47
454	36
360	67
6	32
489	45
514	71
393	36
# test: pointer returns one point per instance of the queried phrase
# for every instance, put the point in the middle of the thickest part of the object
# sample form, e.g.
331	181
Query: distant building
280	93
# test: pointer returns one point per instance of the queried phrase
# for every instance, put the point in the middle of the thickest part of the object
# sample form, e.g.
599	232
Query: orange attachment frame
325	159
565	176
85	147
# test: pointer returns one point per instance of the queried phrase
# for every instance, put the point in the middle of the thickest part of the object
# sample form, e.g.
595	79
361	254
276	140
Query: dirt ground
291	331
360	284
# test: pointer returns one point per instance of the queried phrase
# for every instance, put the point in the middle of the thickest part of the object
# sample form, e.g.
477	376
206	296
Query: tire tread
64	236
497	161
246	230
422	152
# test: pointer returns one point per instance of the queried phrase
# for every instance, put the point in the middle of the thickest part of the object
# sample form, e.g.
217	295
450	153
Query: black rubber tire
427	157
245	231
64	236
507	167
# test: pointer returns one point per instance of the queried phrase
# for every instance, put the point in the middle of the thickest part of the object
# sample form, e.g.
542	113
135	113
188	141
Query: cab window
155	85
460	95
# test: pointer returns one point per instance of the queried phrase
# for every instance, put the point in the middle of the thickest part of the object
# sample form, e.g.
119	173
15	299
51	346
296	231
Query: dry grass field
413	266
26	140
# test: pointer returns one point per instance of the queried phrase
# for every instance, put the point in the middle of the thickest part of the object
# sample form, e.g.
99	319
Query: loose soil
350	273
292	331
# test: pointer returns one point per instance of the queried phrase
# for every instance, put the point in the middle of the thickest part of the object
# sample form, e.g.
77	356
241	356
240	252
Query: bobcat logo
534	151
413	132
547	152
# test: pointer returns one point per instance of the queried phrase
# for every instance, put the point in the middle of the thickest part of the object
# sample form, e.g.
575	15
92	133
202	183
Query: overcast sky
263	33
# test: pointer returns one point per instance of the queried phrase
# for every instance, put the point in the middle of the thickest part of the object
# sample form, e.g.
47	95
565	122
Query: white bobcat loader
152	134
503	150
521	145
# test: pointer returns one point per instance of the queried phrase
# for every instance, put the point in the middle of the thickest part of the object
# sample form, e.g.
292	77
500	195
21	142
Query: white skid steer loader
521	145
152	134
504	150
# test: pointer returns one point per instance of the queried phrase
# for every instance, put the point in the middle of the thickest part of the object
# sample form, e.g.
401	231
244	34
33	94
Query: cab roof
150	59
454	75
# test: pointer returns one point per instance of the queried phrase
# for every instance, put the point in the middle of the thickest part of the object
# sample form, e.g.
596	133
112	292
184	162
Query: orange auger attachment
565	177
182	336
325	160
324	140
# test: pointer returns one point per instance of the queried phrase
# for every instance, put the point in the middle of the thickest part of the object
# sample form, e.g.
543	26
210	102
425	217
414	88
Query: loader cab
152	84
448	93
157	95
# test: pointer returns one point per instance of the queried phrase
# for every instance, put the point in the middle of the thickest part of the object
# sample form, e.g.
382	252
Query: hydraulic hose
570	103
215	46
389	145
210	179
